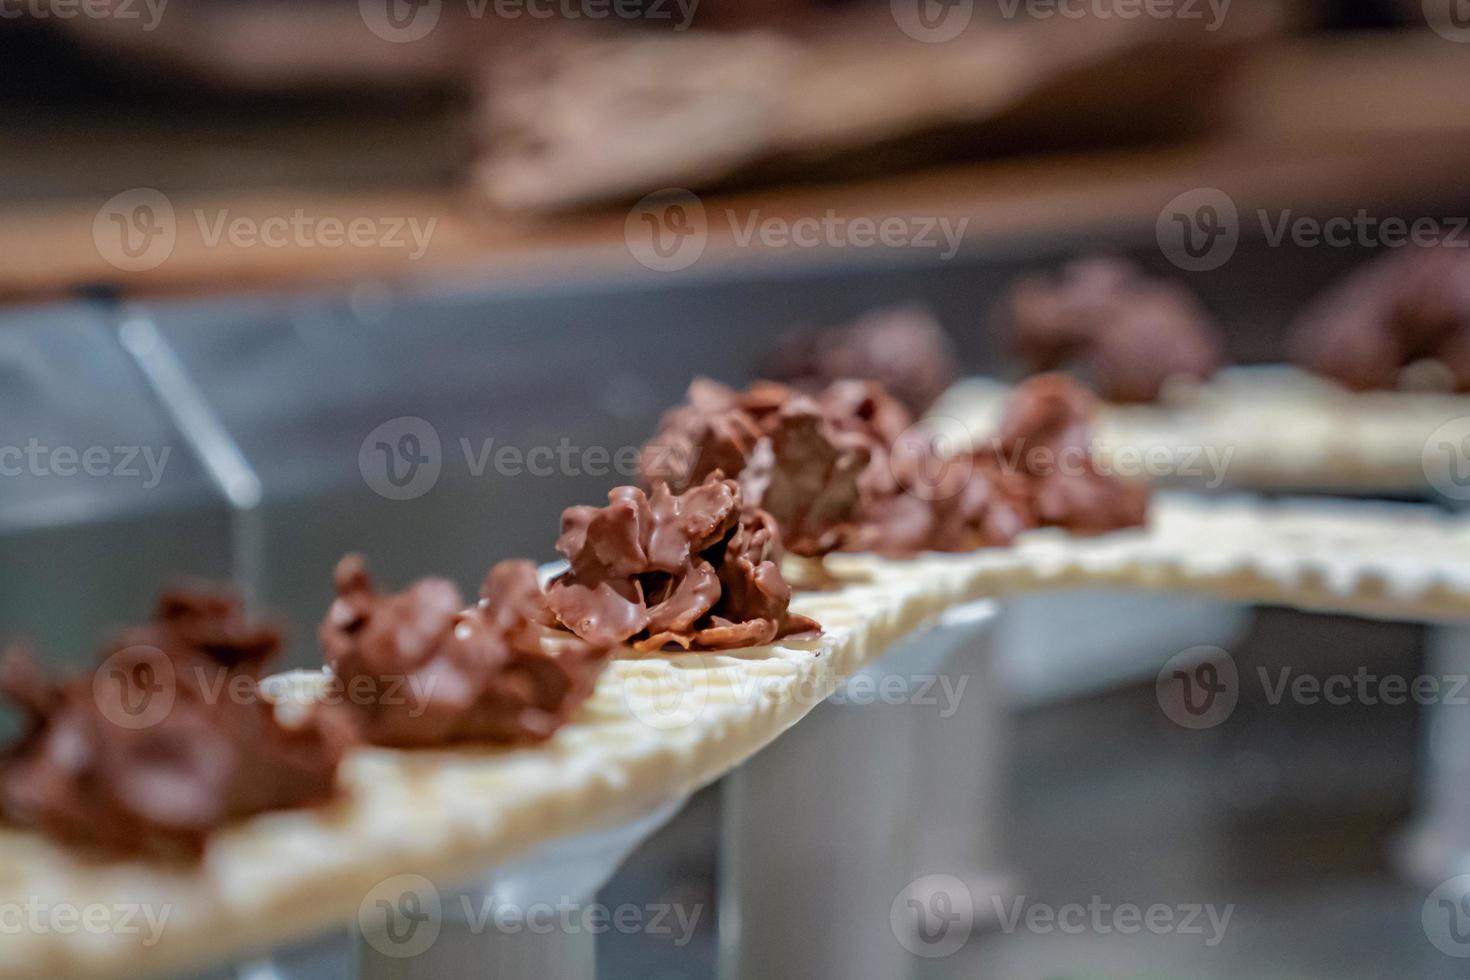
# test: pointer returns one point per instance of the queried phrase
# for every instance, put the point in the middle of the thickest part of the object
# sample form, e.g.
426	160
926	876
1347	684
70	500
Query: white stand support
1436	846
524	920
824	831
959	767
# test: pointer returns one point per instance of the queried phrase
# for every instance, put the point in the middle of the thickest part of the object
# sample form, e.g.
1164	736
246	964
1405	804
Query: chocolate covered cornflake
1411	305
902	348
786	453
695	570
1123	332
1037	472
416	668
140	758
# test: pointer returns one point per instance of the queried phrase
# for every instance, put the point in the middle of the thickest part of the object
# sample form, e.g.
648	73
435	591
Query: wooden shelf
1328	161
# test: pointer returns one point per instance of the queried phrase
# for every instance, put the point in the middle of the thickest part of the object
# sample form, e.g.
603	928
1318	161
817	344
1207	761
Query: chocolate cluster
696	570
1105	321
419	669
1411	305
1045	436
200	628
847	469
788	455
167	740
902	348
1038	471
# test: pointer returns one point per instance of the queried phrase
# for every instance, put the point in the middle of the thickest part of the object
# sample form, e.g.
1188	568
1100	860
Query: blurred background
283	280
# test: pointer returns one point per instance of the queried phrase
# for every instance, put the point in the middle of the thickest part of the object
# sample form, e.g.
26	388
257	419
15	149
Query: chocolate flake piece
1411	305
137	760
697	570
418	669
902	348
787	454
1122	331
